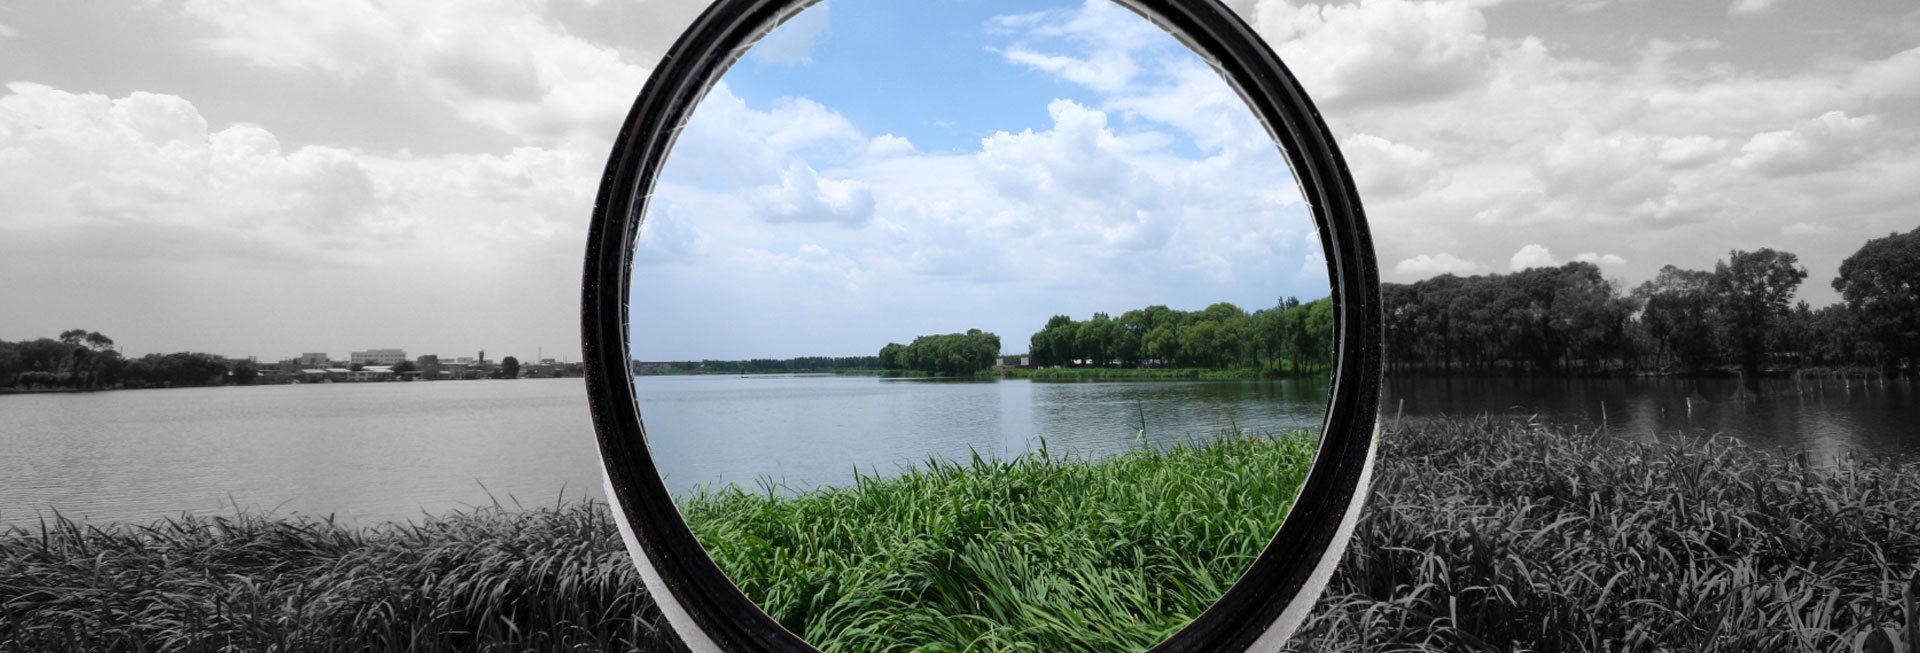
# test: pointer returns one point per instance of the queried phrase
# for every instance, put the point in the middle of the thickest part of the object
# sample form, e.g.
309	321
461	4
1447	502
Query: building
312	360
378	357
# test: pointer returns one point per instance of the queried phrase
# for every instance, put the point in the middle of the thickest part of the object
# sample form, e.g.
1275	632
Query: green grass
1038	553
1482	535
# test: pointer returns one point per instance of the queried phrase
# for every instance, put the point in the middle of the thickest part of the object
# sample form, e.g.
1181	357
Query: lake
1825	419
393	451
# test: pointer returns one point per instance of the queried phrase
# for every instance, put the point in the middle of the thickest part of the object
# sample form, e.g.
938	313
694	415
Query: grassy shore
1145	373
1039	553
1482	535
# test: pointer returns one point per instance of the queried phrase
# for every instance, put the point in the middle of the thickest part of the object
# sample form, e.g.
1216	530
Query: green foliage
509	368
1478	535
952	354
1040	553
1291	335
1755	290
1881	284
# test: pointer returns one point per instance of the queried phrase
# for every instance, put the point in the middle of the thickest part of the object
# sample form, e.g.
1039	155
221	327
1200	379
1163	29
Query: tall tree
509	368
1755	290
1881	284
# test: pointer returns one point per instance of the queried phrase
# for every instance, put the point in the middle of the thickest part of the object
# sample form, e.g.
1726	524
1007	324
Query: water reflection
813	430
1825	418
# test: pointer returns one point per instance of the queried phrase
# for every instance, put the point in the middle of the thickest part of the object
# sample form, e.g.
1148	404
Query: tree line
951	354
799	365
87	360
1739	315
1291	336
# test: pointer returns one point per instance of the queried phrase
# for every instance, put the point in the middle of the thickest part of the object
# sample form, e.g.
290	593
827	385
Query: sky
278	176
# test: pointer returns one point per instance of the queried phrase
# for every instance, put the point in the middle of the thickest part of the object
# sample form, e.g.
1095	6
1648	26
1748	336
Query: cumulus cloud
1821	143
1531	256
1384	168
1750	7
886	145
804	196
498	63
1388	52
150	158
1427	265
1600	259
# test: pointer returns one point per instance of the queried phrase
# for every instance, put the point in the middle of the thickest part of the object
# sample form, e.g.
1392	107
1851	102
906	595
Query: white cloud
7	32
792	41
1426	265
804	196
1531	256
1805	229
1751	7
1599	259
151	159
1388	52
497	63
1822	143
1384	168
886	145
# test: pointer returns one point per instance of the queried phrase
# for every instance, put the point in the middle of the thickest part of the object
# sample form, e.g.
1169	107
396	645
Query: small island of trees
952	354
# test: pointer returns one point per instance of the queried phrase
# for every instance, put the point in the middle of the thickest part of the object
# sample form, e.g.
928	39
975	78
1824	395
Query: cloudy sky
271	177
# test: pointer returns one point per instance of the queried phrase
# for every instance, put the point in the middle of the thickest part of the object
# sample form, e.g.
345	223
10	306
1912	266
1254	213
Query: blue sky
871	172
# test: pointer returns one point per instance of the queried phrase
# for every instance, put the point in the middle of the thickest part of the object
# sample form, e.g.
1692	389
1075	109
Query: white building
378	357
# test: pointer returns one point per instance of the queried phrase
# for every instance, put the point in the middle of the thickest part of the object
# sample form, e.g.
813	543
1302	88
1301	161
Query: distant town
379	365
80	360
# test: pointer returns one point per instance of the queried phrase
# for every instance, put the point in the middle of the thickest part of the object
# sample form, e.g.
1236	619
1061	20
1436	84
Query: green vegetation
800	365
1141	373
1038	553
952	354
1480	535
1740	315
1291	337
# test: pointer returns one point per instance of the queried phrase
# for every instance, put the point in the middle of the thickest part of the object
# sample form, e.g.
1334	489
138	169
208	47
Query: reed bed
1492	535
1038	553
491	579
1481	535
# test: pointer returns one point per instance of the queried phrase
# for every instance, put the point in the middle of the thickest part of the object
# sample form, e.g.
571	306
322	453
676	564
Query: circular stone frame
1258	612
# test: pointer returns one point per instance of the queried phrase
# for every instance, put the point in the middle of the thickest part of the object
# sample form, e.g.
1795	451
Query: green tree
509	368
1881	284
1680	314
1754	291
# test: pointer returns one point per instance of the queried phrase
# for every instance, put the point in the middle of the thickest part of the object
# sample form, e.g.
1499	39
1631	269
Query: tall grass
492	579
1038	553
1486	535
1481	535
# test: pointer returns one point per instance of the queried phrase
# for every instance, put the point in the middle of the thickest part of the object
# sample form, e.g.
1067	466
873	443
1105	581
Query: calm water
391	451
372	452
810	430
1825	419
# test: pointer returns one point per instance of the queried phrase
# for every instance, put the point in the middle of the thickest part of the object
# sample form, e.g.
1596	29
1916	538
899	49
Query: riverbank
1481	535
1042	552
1147	374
